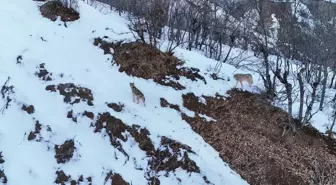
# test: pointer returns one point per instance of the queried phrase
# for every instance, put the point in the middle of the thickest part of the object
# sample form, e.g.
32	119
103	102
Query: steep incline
68	115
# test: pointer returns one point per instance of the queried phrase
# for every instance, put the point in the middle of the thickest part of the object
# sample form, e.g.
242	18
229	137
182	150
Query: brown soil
36	134
145	61
170	156
118	107
61	178
116	179
64	152
153	181
53	9
114	128
29	109
165	103
43	73
70	91
71	116
3	177
216	77
89	114
167	157
64	179
247	135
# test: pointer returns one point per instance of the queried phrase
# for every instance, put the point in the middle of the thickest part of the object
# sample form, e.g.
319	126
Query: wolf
243	77
137	94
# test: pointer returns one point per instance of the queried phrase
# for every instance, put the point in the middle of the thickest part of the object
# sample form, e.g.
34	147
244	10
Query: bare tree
176	35
70	4
316	72
333	123
262	45
283	77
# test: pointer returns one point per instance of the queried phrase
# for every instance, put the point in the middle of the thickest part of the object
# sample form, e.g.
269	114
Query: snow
69	51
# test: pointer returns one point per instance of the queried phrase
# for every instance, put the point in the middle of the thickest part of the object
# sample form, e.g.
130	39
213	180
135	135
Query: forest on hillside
294	41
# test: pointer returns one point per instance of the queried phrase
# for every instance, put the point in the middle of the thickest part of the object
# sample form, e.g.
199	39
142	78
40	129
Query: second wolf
243	77
137	94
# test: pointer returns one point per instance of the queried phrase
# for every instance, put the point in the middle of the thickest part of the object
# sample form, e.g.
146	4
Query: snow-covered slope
68	53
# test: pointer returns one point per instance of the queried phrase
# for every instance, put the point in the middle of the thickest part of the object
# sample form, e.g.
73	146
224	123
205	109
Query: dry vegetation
248	137
248	131
55	8
145	61
170	156
72	93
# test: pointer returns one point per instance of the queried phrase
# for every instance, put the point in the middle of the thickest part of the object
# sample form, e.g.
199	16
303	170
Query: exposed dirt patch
118	107
165	103
153	181
116	179
248	136
53	9
114	128
64	179
172	155
72	94
145	61
330	142
29	109
89	114
141	135
168	157
36	134
65	151
43	73
216	77
3	177
71	116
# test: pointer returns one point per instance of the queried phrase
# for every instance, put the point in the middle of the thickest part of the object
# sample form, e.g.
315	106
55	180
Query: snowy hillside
59	127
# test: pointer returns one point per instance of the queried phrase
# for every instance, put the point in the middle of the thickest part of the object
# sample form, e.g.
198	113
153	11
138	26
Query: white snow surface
70	51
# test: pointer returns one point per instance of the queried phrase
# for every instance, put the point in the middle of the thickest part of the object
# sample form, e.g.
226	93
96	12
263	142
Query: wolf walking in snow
243	77
137	93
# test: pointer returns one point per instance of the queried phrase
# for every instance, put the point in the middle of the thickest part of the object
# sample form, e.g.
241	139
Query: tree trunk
301	86
330	131
289	89
332	79
325	79
269	87
309	109
310	106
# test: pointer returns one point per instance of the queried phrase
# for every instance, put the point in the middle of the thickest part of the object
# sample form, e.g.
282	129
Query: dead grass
71	116
36	134
43	73
64	152
88	114
170	156
72	93
145	61
116	179
28	108
247	135
63	179
53	9
165	103
118	107
3	177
